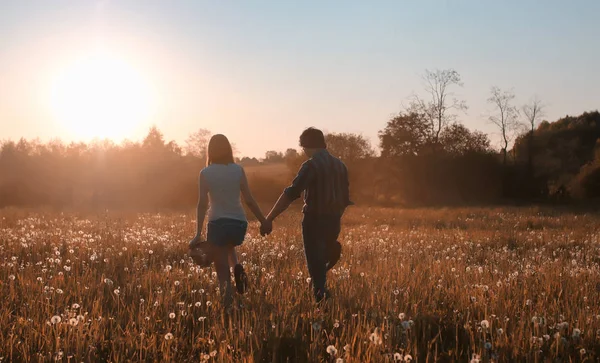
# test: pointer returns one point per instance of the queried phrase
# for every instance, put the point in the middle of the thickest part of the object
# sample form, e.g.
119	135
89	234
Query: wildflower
73	322
11	277
331	350
177	283
339	360
408	358
362	274
375	338
582	351
55	319
108	282
117	292
485	324
168	336
476	358
398	357
546	337
75	306
213	353
67	268
500	331
172	316
208	303
401	316
202	318
198	304
336	325
150	252
346	347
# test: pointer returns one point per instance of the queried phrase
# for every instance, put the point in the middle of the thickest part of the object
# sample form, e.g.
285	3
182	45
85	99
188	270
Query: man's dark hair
312	138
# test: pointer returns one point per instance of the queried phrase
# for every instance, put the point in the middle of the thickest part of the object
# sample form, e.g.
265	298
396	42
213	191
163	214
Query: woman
221	183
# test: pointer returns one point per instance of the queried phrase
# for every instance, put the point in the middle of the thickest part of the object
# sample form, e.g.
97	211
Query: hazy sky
261	71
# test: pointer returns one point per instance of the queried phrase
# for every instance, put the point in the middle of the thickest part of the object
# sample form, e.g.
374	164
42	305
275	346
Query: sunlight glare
101	96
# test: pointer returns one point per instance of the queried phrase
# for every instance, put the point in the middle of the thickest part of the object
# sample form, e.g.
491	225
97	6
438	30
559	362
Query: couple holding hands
324	180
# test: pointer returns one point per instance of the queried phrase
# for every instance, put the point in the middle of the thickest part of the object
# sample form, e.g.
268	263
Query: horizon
240	69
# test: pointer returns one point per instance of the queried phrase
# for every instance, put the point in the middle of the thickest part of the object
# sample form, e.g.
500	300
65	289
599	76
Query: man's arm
292	192
282	204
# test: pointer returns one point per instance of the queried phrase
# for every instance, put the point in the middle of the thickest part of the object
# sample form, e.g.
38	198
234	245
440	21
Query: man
324	180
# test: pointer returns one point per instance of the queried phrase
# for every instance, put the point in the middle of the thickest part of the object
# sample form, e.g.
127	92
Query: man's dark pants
319	232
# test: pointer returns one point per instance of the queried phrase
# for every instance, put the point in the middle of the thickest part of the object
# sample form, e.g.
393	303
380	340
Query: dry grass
451	285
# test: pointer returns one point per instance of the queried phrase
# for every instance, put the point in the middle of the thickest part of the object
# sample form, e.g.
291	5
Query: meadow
477	284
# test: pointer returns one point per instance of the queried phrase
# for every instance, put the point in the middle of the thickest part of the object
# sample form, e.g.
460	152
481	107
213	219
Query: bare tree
506	118
197	143
441	107
533	111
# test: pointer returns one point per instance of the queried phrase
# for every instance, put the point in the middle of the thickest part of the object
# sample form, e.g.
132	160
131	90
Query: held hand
266	228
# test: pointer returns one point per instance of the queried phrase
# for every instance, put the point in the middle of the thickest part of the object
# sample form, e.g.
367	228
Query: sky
261	71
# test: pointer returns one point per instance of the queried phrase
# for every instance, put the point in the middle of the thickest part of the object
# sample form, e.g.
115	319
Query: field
423	285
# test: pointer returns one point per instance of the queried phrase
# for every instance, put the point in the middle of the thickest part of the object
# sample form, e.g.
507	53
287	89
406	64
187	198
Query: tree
456	139
533	111
439	110
154	140
290	154
247	161
506	118
348	147
197	142
272	156
404	134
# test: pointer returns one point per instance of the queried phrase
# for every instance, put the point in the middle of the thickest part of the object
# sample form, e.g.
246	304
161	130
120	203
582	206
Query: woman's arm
249	199
201	208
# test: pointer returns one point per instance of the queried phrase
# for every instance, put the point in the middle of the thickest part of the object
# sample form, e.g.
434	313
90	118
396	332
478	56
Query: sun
101	96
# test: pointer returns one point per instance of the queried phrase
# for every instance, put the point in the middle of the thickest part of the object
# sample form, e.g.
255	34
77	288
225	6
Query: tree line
427	157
